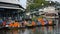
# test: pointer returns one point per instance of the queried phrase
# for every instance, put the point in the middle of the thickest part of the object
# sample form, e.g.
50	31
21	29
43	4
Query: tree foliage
38	3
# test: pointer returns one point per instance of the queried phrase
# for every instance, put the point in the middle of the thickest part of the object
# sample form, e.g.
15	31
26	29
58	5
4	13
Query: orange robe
16	24
41	21
11	25
33	23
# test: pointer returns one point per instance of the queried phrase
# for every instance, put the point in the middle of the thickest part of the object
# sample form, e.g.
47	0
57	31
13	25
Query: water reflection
37	30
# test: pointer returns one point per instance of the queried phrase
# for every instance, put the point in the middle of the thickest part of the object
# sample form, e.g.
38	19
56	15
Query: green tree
38	3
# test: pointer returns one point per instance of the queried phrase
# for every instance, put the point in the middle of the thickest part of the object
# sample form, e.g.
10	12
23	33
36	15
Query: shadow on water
37	30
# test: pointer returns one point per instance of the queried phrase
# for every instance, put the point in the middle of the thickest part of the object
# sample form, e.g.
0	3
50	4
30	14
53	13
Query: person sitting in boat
25	23
41	21
4	23
22	23
16	24
11	24
50	22
38	22
1	21
45	20
33	23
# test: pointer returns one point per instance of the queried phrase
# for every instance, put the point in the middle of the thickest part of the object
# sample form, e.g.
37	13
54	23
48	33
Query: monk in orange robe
11	25
41	21
16	24
33	23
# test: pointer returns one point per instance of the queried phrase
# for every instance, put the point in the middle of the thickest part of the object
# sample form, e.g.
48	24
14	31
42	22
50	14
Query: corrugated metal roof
10	7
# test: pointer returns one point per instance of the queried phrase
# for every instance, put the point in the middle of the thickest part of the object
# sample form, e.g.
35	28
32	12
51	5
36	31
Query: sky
57	0
23	3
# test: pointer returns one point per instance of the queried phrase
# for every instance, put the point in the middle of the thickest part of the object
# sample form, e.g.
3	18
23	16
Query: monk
41	21
16	24
11	25
33	23
50	22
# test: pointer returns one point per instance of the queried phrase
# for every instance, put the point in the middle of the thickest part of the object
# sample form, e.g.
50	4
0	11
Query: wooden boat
27	26
23	27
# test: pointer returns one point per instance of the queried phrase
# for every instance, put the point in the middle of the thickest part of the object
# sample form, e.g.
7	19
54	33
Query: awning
11	7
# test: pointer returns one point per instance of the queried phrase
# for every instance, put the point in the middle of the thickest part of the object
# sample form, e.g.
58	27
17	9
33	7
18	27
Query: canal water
36	30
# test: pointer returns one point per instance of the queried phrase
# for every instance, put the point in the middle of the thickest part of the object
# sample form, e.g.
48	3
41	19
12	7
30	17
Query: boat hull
26	27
